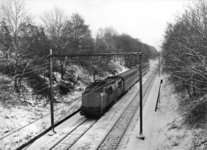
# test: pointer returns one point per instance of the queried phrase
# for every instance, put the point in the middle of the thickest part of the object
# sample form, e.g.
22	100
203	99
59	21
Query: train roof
127	74
99	85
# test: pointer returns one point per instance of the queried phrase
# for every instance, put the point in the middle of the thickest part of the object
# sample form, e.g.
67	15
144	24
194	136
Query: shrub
196	112
64	88
38	84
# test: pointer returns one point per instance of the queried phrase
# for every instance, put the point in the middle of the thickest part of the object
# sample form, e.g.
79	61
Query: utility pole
141	136
51	94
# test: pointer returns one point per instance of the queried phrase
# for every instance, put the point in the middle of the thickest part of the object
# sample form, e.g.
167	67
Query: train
99	96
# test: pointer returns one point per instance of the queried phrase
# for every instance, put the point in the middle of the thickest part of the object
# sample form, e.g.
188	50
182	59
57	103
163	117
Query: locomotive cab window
119	84
109	90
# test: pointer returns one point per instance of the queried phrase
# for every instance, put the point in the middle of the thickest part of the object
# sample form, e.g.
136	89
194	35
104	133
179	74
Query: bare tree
184	49
54	22
15	17
14	14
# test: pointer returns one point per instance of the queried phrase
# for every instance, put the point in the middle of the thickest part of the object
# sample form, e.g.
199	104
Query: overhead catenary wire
18	72
35	70
42	89
93	89
67	111
38	66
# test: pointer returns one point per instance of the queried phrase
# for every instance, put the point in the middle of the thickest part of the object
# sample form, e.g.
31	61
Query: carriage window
109	90
119	84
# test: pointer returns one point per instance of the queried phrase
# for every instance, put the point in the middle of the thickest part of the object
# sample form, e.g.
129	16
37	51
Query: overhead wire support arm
96	54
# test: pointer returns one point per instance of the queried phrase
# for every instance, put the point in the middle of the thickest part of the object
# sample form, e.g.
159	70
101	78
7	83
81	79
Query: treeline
184	50
25	46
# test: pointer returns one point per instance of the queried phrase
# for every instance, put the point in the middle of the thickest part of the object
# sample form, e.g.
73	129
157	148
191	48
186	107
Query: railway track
114	136
68	138
71	137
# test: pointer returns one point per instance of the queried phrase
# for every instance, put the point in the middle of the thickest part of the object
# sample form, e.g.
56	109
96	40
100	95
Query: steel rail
67	134
71	138
80	135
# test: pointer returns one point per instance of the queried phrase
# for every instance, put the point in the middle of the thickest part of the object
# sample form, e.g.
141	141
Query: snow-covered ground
169	132
17	117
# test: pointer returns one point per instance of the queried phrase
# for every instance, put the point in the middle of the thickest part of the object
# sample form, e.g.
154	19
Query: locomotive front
92	100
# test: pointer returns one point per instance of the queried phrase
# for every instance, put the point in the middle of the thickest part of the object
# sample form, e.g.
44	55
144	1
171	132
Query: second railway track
114	136
67	138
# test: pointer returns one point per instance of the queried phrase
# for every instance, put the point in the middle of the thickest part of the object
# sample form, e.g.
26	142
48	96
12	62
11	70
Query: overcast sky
142	19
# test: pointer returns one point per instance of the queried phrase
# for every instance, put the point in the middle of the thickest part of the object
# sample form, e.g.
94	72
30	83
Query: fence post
159	64
51	94
158	97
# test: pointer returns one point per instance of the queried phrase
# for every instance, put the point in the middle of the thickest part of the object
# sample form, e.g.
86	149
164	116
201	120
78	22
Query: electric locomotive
101	95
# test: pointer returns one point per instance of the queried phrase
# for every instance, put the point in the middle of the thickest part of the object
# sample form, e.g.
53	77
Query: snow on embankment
182	120
15	115
120	68
2	129
170	133
17	112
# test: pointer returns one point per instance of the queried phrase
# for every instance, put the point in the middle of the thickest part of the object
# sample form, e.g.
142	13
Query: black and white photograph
103	74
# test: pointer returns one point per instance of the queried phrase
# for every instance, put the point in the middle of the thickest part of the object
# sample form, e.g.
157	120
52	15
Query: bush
195	115
65	88
38	84
5	90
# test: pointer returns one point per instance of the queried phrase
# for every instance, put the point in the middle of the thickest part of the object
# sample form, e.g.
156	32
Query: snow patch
169	133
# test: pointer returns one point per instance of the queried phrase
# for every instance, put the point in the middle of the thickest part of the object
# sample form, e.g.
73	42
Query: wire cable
34	70
42	89
67	112
13	73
